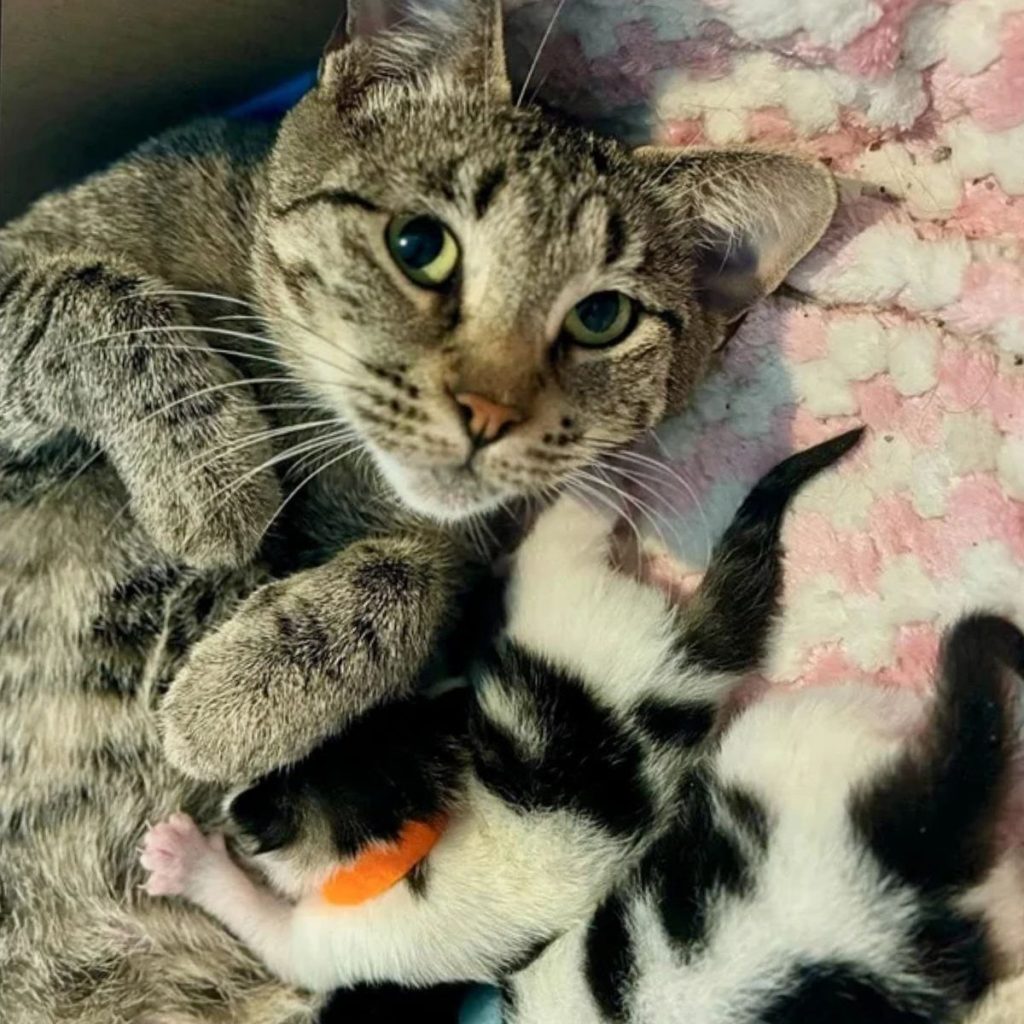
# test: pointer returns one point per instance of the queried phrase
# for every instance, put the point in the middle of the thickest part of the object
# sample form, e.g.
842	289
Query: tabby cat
264	393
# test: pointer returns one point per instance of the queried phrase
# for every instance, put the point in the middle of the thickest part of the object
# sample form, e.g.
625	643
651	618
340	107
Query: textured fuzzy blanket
908	318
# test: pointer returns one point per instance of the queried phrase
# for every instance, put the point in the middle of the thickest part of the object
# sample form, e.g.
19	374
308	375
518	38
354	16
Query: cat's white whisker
628	500
259	317
655	517
258	437
307	480
540	49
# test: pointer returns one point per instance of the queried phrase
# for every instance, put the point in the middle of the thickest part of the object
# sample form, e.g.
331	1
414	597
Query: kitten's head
492	297
847	854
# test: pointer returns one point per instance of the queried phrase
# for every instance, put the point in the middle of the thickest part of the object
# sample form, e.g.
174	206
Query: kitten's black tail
730	618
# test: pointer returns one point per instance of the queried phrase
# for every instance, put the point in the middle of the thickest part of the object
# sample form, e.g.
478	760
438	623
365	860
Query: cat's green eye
600	319
424	249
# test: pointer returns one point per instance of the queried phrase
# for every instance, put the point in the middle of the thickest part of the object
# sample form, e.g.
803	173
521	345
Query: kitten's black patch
490	183
841	994
615	237
731	615
589	761
691	866
418	879
267	814
748	813
932	818
388	1004
398	763
528	958
674	723
481	614
333	197
954	951
610	965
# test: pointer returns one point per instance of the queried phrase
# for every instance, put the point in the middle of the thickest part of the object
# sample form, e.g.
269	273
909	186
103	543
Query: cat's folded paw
260	692
302	657
177	856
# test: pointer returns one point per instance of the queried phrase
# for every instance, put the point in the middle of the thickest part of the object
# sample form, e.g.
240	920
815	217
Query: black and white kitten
622	850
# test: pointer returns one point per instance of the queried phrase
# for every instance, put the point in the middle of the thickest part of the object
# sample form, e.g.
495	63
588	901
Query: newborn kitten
581	730
847	854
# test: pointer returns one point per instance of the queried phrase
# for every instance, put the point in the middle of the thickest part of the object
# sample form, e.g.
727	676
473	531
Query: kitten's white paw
177	855
571	530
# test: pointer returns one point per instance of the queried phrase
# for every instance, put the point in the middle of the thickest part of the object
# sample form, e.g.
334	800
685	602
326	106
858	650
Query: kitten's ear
755	215
934	818
396	39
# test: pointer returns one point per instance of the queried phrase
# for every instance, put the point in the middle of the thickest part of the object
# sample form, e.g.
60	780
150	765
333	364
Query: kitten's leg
88	349
307	654
726	627
182	861
670	667
484	905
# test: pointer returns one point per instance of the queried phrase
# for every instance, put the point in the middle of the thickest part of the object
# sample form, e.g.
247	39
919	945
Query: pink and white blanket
908	317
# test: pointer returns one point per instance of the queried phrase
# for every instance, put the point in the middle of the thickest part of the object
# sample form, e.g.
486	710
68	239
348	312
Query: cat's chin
444	494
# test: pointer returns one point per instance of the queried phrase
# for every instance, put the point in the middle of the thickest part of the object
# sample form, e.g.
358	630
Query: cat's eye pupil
598	312
420	241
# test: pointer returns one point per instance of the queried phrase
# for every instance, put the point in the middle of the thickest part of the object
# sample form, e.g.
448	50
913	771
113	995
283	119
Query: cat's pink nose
485	420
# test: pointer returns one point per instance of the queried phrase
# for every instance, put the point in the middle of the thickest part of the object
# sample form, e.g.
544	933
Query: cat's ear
936	817
754	214
375	40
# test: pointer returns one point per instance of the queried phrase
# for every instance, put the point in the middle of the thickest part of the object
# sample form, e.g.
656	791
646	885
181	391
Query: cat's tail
728	623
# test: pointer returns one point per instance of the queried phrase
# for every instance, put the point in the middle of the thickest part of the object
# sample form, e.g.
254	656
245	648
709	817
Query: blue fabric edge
277	101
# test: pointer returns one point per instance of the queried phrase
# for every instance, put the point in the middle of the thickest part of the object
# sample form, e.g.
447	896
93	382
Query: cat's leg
89	349
306	655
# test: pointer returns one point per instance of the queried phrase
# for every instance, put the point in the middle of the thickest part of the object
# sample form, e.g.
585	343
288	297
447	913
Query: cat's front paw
178	856
303	656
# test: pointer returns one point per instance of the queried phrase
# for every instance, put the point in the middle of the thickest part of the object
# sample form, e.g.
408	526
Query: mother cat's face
490	297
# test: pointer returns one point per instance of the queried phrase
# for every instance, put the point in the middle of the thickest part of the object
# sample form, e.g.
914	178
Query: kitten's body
580	732
620	852
133	505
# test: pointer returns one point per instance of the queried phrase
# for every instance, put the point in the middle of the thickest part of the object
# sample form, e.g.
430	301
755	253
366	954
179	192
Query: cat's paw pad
177	855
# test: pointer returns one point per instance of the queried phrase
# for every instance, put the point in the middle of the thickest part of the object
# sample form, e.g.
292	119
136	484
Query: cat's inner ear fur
935	818
753	215
378	40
